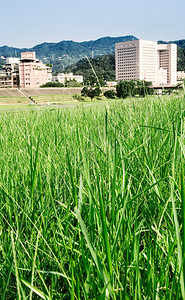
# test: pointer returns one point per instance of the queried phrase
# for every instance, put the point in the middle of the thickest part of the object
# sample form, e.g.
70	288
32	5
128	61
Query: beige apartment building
146	60
32	72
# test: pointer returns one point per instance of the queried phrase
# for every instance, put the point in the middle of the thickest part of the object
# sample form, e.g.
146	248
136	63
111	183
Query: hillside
180	59
103	66
179	43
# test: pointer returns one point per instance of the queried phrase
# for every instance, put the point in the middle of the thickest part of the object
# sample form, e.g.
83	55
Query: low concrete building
5	80
9	76
62	77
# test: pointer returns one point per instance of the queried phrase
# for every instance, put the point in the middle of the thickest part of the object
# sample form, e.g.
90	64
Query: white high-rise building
146	60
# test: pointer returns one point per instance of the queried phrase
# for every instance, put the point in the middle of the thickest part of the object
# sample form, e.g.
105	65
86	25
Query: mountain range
66	53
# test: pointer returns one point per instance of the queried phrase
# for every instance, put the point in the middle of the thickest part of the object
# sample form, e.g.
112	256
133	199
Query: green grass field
13	101
54	98
65	98
92	201
58	99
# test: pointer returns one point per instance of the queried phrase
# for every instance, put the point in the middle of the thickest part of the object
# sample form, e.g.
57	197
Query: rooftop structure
146	60
28	56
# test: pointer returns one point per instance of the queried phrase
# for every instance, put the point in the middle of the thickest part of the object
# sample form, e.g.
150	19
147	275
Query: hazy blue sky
27	23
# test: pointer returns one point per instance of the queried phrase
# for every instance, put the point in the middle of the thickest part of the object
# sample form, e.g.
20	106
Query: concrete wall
9	93
51	91
42	91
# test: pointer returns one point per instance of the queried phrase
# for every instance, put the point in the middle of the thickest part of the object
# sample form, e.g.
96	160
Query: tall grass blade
71	176
33	265
177	229
100	267
104	226
35	290
183	221
15	265
34	171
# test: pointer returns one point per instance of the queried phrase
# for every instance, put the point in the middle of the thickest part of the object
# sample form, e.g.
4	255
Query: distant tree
180	59
72	83
90	81
95	81
101	80
131	88
111	94
121	90
65	82
52	84
125	89
49	65
144	88
91	92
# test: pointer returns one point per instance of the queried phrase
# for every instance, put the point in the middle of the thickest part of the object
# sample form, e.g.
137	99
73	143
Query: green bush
132	88
91	92
111	94
78	97
52	84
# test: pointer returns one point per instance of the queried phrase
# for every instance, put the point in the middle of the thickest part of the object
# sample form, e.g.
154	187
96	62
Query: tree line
123	90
